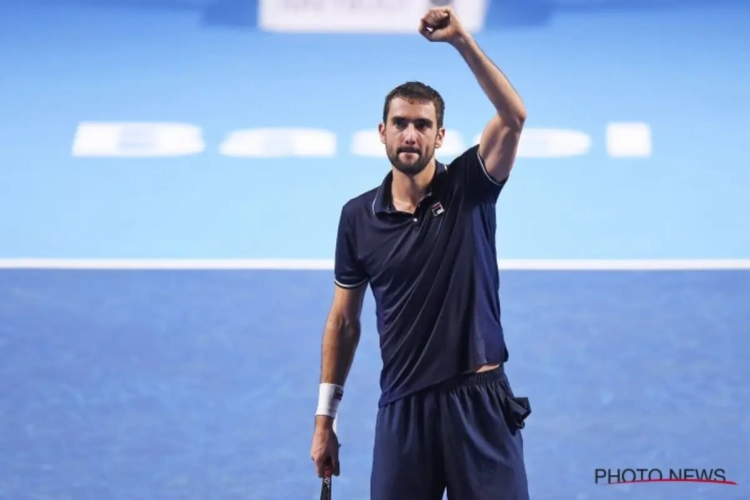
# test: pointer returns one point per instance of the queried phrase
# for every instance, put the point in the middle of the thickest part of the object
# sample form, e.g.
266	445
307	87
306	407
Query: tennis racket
326	490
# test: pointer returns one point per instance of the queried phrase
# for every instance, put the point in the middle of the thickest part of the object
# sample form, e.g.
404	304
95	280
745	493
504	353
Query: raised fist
441	25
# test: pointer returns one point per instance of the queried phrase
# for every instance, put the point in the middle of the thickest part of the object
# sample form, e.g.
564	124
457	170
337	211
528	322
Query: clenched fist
441	25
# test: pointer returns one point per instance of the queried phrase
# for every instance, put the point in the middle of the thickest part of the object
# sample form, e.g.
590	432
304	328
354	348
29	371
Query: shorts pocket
517	410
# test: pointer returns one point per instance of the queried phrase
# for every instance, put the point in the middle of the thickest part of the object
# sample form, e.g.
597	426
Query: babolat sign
178	139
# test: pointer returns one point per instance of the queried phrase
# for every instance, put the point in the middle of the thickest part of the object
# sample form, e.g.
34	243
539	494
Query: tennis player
424	241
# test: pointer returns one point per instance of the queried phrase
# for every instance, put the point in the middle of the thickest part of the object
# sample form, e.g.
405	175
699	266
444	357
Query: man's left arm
499	143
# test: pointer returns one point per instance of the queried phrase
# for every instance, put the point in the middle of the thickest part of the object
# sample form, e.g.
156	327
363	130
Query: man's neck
408	191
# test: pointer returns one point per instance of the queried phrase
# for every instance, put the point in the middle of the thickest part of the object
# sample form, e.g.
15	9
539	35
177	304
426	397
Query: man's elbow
350	333
350	324
344	324
516	121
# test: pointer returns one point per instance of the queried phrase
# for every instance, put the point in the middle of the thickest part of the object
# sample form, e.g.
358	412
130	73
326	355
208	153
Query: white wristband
329	398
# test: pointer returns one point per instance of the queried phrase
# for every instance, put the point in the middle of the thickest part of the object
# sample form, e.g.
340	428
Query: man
425	243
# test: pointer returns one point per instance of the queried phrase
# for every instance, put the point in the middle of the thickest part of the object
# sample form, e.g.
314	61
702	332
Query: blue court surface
171	178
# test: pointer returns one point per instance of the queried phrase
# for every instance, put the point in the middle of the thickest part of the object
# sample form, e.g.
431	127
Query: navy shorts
463	436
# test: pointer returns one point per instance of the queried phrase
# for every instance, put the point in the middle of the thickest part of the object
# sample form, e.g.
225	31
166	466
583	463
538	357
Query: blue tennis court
161	310
199	384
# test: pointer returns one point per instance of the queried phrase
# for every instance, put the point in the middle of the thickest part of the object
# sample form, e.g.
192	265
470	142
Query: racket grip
326	492
327	472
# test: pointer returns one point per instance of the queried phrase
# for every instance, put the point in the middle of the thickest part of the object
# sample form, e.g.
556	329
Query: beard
407	167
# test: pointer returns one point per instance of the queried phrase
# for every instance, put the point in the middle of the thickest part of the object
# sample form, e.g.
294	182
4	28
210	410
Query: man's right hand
325	445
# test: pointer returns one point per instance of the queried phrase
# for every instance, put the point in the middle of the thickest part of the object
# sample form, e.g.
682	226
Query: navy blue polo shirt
433	275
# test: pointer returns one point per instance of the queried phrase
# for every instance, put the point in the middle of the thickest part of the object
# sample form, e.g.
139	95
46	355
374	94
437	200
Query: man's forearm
340	340
496	86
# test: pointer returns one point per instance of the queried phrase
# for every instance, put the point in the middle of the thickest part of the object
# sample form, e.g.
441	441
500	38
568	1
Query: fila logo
437	209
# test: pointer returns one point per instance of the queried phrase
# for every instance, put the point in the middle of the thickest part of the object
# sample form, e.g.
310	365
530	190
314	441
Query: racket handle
326	491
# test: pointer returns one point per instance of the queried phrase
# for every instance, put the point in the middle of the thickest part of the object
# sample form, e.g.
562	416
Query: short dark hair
420	92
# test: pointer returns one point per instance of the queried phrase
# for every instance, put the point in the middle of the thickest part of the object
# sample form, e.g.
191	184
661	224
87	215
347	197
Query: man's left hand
441	25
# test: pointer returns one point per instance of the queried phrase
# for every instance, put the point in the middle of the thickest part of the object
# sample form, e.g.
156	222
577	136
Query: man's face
411	135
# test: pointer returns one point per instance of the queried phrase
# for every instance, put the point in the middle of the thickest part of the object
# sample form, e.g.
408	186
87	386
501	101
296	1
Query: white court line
327	264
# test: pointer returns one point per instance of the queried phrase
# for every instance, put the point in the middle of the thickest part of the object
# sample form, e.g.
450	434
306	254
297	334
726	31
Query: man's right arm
340	339
342	329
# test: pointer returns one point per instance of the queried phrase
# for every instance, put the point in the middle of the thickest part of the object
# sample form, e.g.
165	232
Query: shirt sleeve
348	269
475	181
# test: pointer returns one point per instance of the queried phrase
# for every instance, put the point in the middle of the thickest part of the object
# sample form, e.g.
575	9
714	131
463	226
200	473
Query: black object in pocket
517	410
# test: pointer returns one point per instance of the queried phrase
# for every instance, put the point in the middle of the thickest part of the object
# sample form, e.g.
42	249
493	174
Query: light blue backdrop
683	72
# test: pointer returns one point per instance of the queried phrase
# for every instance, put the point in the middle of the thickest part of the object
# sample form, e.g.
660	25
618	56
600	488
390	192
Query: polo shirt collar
382	203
